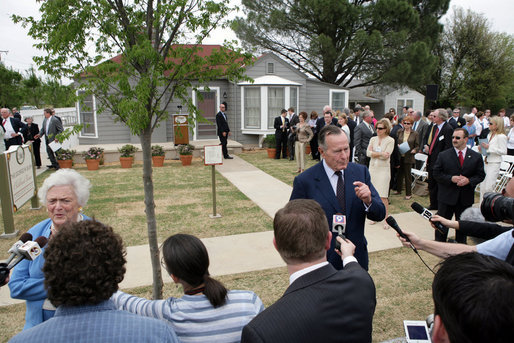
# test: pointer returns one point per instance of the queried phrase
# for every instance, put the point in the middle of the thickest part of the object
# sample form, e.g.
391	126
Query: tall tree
33	88
10	87
151	70
476	65
337	41
58	94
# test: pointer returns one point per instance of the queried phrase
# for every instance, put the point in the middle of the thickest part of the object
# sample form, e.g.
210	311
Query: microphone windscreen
26	237
472	214
41	241
391	221
417	207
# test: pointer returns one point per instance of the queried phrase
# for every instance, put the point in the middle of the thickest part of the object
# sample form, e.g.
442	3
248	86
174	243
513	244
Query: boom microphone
14	249
428	216
392	223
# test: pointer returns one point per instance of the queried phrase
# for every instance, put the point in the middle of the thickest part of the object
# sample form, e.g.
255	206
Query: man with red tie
457	172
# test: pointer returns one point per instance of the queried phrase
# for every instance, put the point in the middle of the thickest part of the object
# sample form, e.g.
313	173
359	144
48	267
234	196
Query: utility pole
3	52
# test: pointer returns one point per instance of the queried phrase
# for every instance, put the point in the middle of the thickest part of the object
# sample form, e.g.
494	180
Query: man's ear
439	334
174	278
275	244
328	241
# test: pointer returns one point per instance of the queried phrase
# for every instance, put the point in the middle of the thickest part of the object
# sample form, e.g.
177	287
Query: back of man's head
84	263
474	298
301	230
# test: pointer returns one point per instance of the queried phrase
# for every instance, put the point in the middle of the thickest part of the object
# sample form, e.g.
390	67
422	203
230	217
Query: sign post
212	157
17	184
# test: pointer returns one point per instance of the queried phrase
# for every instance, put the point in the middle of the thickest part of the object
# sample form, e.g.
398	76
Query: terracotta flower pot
92	164
126	162
158	161
186	159
65	163
271	152
307	149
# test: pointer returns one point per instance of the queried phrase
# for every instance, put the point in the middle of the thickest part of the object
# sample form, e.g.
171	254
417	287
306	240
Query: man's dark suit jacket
278	131
351	125
455	123
221	124
314	184
18	127
422	129
448	165
362	136
324	305
443	142
320	123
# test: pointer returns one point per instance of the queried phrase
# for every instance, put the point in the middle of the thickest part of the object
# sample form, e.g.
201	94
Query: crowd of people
15	132
331	297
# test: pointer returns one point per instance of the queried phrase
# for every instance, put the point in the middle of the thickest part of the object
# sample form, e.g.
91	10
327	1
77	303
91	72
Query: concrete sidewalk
257	248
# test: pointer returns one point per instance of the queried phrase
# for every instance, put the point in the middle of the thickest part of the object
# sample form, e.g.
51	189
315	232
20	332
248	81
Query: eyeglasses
380	128
457	137
407	123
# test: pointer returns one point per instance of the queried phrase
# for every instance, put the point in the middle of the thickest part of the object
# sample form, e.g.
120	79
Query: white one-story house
251	106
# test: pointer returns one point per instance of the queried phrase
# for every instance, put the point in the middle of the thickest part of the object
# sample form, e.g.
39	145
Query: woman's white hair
67	177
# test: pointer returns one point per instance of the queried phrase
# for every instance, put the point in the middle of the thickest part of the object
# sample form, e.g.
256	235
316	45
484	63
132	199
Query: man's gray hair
366	114
346	111
67	177
442	113
328	130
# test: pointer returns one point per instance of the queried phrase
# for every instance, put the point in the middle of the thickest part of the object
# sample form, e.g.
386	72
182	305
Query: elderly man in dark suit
439	140
363	133
52	126
13	128
223	130
341	187
457	172
456	120
321	304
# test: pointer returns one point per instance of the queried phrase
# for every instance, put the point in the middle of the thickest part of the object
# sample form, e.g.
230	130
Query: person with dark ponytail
207	312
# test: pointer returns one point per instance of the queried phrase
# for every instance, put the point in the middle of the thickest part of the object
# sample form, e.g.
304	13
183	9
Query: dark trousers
13	141
314	147
223	142
404	175
290	145
51	155
432	189
447	211
36	146
281	139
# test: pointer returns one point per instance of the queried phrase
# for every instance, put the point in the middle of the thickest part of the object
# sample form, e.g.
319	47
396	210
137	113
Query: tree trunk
146	143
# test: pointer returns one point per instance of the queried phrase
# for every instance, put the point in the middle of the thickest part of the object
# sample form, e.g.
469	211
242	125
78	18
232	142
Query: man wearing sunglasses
457	172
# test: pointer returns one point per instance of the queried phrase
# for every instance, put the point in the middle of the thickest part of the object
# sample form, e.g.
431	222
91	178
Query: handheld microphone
339	227
392	223
428	216
29	250
14	249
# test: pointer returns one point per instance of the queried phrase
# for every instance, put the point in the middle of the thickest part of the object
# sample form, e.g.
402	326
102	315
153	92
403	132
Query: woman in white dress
379	151
496	148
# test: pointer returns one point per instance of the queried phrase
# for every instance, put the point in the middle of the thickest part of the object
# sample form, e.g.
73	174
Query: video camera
496	207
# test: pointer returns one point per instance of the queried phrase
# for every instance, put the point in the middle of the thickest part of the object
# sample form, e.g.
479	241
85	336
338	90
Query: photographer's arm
439	249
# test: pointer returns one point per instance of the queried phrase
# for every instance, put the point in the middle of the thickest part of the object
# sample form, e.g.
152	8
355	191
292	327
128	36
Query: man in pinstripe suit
321	304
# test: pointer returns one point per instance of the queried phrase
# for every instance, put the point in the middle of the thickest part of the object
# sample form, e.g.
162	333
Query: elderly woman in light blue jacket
64	193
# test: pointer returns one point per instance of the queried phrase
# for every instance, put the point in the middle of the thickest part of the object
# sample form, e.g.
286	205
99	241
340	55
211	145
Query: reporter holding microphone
64	193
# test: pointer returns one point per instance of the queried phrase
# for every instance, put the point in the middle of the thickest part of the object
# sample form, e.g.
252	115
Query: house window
276	103
252	107
270	68
293	98
403	102
338	99
87	111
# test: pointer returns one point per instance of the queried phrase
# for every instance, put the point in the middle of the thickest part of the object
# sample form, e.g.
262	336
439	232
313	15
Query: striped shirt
193	318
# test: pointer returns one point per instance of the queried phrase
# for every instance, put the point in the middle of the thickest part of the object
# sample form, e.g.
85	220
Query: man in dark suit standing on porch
281	125
321	303
223	130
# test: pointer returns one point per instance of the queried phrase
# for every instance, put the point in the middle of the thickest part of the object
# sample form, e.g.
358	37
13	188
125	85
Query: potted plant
270	144
65	157
127	155
92	157
157	155
186	153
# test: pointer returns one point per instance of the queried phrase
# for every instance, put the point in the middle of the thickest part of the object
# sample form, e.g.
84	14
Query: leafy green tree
152	68
476	65
33	88
57	94
10	87
337	41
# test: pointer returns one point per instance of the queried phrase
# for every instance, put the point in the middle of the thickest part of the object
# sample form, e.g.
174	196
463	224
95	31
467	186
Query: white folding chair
420	174
505	173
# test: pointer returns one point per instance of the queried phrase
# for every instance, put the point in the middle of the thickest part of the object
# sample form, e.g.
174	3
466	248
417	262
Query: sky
16	47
